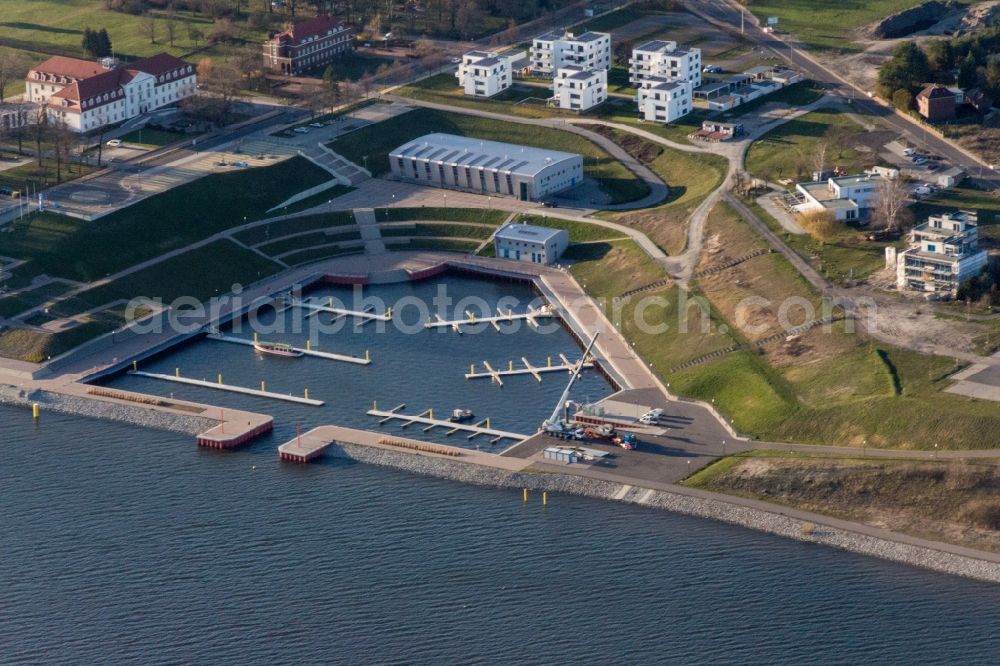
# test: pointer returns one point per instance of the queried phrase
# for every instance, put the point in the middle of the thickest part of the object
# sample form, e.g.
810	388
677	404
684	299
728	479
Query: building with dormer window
308	45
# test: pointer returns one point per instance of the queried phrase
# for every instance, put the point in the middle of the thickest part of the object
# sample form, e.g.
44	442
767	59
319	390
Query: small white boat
460	415
277	349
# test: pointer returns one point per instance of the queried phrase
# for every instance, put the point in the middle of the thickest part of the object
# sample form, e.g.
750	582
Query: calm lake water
122	545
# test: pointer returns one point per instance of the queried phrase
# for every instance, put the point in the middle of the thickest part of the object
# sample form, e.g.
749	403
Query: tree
62	141
819	156
105	48
940	55
194	33
170	23
993	78
821	224
902	99
889	203
147	27
13	66
908	68
968	76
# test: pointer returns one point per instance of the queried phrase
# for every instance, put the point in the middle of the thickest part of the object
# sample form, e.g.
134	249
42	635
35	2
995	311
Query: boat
460	415
277	349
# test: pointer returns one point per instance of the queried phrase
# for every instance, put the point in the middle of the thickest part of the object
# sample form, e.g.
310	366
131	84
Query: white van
114	143
651	417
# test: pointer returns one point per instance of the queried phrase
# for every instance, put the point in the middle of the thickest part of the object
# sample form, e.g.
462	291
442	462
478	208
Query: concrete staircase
370	234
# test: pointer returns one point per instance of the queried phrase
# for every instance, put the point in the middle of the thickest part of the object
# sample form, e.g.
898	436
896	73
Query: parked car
909	152
301	130
712	69
315	124
114	143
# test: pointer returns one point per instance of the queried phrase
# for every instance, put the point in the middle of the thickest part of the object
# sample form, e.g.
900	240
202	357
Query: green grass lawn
318	199
797	94
42	176
318	253
827	25
18	303
79	250
788	151
434	213
372	144
438	244
306	241
154	138
438	230
444	89
279	228
579	232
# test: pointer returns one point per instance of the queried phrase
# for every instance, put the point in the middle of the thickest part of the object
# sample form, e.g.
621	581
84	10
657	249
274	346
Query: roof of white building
468	151
579	73
663	46
570	37
528	233
663	83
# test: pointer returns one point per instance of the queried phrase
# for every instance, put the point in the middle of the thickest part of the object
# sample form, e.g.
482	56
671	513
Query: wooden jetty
307	351
219	386
531	317
535	371
426	419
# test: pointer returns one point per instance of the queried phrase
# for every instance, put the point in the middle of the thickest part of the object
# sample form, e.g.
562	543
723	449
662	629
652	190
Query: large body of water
127	546
121	545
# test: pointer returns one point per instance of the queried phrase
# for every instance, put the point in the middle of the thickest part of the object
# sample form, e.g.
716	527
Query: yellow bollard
549	361
487	422
307	394
430	413
262	389
308	345
34	410
388	313
368	355
177	372
220	377
472	368
525	494
510	365
330	304
135	365
256	338
545	497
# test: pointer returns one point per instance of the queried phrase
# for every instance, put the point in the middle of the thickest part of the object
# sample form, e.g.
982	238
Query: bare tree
170	23
62	142
889	203
147	27
40	125
819	156
13	66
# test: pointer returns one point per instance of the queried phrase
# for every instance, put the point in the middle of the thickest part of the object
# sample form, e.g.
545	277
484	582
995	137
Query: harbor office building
485	167
527	242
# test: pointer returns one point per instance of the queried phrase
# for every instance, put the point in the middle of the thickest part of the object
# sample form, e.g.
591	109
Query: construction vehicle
557	424
626	440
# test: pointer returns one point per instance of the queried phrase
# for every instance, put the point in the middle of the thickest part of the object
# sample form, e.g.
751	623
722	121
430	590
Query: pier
365	315
219	386
307	351
535	371
500	318
426	419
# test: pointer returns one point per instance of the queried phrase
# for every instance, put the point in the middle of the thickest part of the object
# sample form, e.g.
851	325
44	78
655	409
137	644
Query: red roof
315	27
161	63
72	68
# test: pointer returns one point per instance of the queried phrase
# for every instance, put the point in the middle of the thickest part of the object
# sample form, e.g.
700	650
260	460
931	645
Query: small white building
485	167
578	88
847	197
663	100
553	51
944	253
484	73
665	59
527	242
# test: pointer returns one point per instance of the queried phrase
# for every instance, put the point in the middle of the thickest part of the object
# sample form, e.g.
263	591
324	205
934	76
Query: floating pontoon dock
364	315
426	418
308	351
535	371
219	386
500	318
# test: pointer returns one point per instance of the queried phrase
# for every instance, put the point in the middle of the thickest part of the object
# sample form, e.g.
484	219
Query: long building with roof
486	167
308	45
86	95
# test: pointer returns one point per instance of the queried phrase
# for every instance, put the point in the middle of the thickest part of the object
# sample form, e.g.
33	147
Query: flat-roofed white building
486	167
484	73
578	88
660	58
847	197
527	242
944	253
554	50
663	100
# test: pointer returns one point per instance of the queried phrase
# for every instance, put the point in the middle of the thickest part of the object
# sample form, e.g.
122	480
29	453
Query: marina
307	351
531	317
364	315
426	418
535	371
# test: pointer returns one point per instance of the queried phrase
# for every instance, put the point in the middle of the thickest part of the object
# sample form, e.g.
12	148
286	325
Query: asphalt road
724	14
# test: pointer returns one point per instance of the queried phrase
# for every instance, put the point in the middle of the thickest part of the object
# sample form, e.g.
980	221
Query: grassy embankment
690	176
950	501
371	145
823	25
828	386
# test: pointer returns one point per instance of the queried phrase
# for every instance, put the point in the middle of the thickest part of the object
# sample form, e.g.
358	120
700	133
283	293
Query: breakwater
107	411
677	502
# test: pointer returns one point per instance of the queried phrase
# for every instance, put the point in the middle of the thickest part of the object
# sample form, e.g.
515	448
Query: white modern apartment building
847	197
578	89
484	73
486	167
86	95
944	253
660	58
553	51
663	100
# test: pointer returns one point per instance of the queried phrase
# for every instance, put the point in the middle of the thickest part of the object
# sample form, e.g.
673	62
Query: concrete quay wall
678	502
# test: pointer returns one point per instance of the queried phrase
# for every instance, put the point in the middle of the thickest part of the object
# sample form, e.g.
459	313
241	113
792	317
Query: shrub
902	99
821	224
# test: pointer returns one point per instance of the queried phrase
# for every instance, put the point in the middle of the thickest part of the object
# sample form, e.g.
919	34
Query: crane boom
576	373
